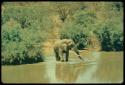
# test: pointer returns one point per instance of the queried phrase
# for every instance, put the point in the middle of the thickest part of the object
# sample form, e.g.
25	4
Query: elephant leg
62	56
67	55
57	55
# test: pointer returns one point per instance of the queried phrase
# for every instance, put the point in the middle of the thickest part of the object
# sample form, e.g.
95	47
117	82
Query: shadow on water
98	67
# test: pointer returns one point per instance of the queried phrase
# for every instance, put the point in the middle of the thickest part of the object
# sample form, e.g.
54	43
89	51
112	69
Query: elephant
62	47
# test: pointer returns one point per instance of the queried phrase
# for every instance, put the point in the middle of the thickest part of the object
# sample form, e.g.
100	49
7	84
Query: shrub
76	33
118	41
20	46
79	29
24	28
111	37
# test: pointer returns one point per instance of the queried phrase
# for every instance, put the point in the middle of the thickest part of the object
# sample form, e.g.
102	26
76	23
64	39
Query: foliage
64	10
24	29
110	39
26	25
103	19
18	45
110	29
79	29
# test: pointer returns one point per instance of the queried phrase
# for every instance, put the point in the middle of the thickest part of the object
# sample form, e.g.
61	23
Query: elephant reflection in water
62	47
69	76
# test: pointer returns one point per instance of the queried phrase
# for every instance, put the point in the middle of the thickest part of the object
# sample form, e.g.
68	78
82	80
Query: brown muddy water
97	67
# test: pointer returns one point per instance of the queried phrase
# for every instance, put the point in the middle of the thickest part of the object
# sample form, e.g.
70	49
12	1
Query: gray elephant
62	47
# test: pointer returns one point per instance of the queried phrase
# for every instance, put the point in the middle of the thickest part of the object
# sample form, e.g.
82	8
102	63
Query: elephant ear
70	44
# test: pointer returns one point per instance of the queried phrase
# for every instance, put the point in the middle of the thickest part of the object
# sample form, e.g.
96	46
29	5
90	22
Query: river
97	67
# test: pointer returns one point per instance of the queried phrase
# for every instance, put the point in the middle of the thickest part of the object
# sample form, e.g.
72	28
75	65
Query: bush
24	28
74	32
118	41
20	46
110	39
106	41
25	15
79	29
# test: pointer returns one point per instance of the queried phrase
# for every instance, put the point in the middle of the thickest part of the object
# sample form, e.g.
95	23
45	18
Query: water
97	67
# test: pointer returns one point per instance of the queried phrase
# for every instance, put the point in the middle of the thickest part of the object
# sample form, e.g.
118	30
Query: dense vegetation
26	25
23	31
105	20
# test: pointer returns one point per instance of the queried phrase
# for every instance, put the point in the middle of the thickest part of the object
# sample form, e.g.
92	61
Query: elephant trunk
77	52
